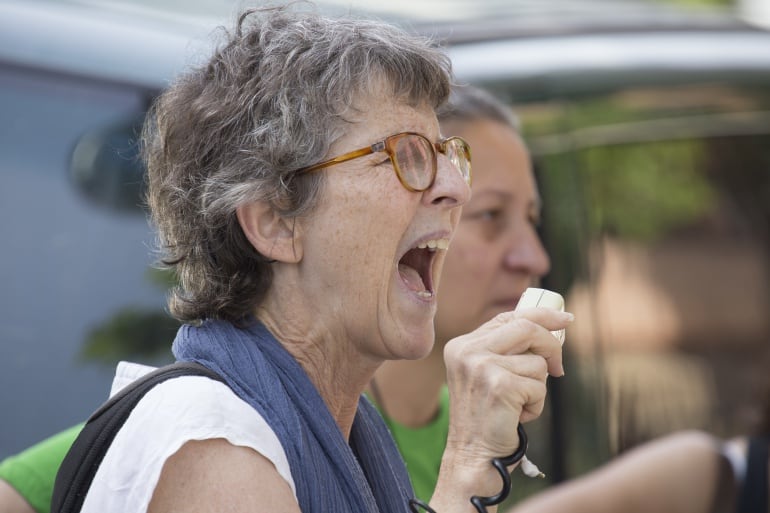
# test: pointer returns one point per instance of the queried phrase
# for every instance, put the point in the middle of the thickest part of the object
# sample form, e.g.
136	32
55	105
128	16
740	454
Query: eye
490	223
491	218
484	214
493	214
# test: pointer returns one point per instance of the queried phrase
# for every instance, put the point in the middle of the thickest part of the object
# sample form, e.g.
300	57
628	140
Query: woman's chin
415	343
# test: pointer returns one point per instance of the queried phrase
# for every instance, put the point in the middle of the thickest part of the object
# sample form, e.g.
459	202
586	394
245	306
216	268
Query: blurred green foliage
132	334
137	334
634	163
624	184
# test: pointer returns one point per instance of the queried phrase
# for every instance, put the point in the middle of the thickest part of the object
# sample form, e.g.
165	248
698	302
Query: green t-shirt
32	472
422	448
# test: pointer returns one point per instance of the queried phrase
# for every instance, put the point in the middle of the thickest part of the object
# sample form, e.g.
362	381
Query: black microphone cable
501	465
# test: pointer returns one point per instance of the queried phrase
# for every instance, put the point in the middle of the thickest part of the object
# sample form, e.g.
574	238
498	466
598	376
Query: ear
271	234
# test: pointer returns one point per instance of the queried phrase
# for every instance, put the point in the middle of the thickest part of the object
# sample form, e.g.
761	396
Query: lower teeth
425	293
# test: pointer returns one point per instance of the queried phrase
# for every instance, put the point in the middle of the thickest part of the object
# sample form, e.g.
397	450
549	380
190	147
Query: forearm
678	473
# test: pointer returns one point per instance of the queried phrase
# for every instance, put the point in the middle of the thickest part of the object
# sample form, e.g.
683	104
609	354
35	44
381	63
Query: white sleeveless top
175	412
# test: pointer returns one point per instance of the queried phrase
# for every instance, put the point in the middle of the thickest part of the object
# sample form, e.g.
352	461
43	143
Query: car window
657	207
72	267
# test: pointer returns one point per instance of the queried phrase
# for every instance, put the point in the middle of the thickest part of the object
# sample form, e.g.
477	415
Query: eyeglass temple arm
374	148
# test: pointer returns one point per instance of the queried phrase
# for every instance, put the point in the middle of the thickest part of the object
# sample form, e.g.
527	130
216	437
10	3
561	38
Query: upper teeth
434	244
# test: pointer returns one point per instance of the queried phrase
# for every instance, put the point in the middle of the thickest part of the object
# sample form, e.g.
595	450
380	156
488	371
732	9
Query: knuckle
453	350
505	317
475	364
468	364
535	409
541	367
529	327
498	382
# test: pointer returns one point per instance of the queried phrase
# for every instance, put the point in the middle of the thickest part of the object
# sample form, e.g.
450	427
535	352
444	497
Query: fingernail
569	316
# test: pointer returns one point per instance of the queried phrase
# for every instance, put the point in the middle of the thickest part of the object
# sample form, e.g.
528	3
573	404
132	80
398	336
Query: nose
526	253
449	188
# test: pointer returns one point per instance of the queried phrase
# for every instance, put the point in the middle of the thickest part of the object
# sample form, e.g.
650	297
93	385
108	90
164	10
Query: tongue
411	277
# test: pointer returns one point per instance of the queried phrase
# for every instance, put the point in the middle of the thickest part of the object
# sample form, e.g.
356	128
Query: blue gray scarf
364	475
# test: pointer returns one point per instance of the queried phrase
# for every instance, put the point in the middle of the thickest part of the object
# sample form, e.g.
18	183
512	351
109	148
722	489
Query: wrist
461	477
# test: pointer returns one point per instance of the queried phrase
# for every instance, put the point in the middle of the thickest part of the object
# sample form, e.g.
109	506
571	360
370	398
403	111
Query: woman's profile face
496	252
362	266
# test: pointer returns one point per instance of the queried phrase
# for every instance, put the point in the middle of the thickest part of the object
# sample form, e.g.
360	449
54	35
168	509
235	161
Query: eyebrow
535	204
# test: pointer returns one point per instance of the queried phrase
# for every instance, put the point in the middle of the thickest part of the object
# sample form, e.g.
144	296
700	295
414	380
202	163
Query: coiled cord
501	465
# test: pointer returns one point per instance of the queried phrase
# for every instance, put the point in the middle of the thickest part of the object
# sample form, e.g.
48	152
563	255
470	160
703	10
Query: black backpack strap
84	457
753	495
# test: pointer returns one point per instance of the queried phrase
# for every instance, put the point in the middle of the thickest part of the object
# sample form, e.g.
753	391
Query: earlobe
273	235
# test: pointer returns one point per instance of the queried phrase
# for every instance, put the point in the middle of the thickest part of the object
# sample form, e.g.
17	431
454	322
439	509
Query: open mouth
416	266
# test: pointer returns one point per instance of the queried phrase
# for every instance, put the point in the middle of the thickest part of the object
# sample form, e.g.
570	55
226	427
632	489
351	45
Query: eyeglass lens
417	159
459	154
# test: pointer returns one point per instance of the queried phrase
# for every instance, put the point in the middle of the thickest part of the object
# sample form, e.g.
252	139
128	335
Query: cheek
461	295
365	212
466	270
366	229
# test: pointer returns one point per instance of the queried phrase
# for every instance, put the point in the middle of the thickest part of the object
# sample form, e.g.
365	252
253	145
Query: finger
526	365
503	399
527	375
549	318
517	337
535	392
525	395
521	335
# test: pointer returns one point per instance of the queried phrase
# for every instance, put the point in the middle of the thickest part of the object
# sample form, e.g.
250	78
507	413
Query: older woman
305	197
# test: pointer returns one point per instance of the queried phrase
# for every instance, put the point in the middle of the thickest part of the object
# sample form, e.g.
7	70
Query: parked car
651	136
650	131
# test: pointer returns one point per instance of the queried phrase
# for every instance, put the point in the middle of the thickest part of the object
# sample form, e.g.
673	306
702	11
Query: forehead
375	116
501	161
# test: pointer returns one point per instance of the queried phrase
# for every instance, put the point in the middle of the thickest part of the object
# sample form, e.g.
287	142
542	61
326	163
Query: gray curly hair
271	100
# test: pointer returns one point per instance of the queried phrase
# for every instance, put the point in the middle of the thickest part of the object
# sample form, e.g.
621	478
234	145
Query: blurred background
649	123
